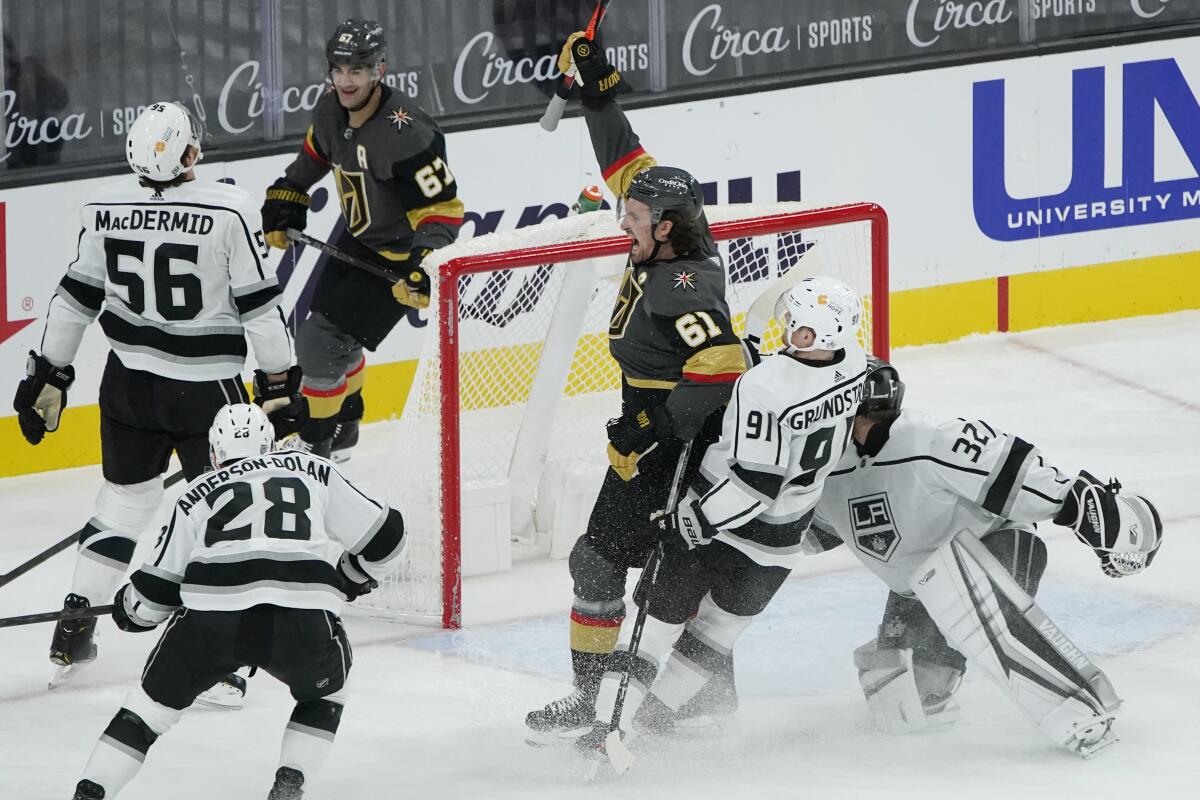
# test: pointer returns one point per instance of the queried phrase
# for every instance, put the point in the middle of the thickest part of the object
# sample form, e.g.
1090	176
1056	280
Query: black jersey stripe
937	461
387	540
1008	478
156	589
206	345
255	568
259	301
90	297
764	484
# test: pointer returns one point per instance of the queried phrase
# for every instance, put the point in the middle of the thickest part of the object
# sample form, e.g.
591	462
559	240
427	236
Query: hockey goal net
515	381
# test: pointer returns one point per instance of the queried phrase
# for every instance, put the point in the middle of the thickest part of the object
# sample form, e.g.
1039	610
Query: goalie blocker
986	615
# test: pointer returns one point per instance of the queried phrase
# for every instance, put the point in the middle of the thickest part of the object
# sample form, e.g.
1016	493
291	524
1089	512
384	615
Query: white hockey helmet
825	304
158	139
238	431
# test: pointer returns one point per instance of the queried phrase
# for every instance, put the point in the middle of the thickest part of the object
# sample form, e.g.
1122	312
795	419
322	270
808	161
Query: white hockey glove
1123	530
691	524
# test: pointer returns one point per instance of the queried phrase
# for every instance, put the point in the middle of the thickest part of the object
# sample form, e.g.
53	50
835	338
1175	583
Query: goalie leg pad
989	618
889	685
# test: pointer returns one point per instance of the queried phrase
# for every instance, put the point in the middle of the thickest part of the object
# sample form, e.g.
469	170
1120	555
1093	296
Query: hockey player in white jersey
240	570
741	524
174	268
944	511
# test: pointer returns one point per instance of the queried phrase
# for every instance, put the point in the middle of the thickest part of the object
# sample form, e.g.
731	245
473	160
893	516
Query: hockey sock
595	626
309	733
352	408
656	641
107	541
122	748
702	651
323	408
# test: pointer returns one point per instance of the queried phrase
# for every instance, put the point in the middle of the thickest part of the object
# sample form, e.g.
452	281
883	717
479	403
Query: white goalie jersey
259	530
178	278
784	430
930	480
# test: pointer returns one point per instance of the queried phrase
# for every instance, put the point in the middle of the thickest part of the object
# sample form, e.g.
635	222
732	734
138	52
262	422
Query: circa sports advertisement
1006	168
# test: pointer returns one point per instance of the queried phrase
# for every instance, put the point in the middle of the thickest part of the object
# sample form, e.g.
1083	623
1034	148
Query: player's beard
370	94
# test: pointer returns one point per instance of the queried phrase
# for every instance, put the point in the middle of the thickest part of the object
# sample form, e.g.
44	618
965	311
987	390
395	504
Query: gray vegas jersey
259	530
931	479
177	278
784	430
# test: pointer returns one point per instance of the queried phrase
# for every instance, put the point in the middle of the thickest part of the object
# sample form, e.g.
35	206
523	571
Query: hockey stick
558	103
54	549
762	310
342	255
55	616
618	754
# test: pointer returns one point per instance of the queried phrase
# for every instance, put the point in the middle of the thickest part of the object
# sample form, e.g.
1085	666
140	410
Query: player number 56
427	177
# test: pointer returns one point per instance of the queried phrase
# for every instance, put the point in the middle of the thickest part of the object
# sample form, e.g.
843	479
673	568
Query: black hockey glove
1125	531
41	397
690	523
633	436
599	81
125	617
286	207
282	401
413	289
355	580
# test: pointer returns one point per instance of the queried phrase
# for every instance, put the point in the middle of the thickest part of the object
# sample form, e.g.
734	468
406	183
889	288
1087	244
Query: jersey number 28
285	518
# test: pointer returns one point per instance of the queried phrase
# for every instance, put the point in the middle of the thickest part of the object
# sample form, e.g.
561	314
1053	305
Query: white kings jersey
181	278
930	480
784	430
257	531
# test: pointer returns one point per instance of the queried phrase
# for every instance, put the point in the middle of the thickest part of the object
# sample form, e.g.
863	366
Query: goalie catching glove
286	207
633	436
598	80
41	397
413	289
1123	530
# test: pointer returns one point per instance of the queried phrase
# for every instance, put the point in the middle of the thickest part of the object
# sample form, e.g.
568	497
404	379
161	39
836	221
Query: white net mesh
521	365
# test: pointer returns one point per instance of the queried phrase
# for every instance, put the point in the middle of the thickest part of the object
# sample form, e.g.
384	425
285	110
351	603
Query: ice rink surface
440	714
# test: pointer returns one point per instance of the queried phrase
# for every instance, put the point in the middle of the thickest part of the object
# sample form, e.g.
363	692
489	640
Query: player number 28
427	177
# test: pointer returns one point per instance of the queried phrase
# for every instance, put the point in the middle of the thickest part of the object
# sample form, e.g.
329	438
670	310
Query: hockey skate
228	694
294	442
72	643
345	437
287	784
87	790
562	720
1090	740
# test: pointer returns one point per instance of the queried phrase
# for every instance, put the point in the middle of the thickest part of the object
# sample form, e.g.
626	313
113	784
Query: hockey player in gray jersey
174	268
943	510
742	522
241	573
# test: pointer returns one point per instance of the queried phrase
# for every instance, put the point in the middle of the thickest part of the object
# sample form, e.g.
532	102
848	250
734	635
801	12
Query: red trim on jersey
622	161
447	220
362	363
334	392
313	154
594	622
723	377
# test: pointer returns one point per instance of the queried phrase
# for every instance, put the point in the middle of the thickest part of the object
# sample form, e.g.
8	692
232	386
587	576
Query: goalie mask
239	431
824	304
159	138
883	392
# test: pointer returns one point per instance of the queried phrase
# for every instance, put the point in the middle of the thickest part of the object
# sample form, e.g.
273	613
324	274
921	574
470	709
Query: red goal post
583	243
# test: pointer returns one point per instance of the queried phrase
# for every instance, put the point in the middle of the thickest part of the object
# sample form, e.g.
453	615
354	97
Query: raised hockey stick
618	754
55	616
762	310
341	255
558	103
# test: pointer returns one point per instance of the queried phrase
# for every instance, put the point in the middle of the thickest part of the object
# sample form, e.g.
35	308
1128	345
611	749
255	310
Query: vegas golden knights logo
352	192
627	300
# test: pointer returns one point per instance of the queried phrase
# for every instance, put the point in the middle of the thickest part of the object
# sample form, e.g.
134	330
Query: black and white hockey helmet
238	431
356	43
883	391
668	189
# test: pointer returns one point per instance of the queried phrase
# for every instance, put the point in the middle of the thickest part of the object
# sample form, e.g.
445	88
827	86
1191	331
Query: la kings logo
874	530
